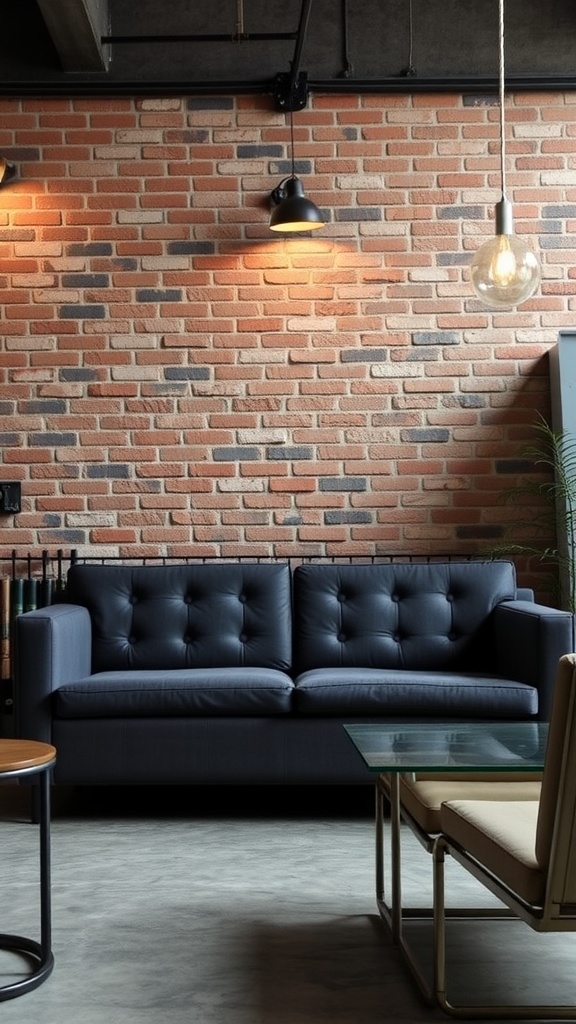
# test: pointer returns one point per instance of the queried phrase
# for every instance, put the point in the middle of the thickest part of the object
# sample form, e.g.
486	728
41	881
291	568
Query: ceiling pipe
79	85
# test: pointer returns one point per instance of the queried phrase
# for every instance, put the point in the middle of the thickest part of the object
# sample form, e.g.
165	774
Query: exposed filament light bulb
504	271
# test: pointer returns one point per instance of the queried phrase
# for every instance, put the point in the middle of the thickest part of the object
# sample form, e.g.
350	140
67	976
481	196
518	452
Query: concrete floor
186	908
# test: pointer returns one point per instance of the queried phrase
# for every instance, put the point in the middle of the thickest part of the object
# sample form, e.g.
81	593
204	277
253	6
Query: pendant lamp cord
292	143
501	91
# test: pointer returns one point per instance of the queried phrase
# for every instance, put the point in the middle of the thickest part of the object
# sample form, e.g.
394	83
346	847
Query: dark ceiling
282	47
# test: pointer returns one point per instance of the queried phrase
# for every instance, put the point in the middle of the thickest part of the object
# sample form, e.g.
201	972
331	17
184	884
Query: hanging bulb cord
501	93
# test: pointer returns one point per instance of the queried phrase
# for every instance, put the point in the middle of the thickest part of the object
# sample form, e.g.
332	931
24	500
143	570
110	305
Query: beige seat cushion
502	836
422	795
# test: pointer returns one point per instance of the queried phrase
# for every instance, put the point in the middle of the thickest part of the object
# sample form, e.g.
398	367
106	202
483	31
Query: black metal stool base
33	950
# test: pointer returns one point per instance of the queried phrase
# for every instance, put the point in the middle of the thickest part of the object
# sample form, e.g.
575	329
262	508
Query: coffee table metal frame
474	755
40	953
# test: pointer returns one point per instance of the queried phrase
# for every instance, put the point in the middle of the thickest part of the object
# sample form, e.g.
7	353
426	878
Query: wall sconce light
291	210
7	170
505	271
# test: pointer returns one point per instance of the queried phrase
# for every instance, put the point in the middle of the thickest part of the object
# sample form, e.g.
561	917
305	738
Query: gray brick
249	152
344	483
239	454
471	401
89	249
53	440
187	373
563	210
353	213
436	338
107	472
9	440
423	435
125	263
52	520
85	281
339	518
552	227
187	135
364	355
460	212
44	405
158	295
453	259
283	168
289	452
190	248
553	242
72	373
81	312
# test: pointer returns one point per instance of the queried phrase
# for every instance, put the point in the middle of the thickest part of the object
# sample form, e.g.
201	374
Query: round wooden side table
19	759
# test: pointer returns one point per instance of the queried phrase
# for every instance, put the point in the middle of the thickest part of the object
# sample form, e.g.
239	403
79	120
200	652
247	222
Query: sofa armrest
52	646
530	640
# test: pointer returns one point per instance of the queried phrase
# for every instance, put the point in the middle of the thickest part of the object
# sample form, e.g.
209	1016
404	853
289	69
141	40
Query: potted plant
555	516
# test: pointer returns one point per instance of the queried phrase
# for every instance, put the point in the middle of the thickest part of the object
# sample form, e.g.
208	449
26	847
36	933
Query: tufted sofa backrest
430	616
186	616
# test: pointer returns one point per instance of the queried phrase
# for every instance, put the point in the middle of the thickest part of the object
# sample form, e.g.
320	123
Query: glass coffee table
396	748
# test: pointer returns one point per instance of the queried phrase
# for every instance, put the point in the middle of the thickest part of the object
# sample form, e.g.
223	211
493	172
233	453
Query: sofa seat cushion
365	691
177	692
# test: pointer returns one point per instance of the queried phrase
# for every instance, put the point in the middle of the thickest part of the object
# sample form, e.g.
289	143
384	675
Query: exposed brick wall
174	378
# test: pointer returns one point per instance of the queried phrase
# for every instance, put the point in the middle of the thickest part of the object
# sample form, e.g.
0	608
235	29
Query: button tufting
396	597
243	638
341	597
341	637
449	597
242	598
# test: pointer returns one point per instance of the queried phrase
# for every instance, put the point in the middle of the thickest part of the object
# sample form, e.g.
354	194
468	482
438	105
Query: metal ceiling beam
83	85
76	27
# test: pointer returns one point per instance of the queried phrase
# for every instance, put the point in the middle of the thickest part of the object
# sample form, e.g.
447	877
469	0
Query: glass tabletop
481	746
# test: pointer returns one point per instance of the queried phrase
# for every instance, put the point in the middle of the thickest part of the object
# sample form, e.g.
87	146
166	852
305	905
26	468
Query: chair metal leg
474	1012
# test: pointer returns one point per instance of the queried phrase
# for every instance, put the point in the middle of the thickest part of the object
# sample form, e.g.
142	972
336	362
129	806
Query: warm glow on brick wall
177	380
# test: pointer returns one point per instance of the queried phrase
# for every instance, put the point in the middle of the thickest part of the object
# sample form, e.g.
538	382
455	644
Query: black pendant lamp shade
293	212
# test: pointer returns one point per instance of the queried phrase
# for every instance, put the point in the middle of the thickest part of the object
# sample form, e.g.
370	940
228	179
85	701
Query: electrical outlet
10	496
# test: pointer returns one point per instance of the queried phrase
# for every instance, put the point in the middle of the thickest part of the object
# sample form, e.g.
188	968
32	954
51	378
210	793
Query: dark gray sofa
244	672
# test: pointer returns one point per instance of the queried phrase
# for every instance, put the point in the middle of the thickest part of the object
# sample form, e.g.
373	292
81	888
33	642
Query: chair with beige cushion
421	797
423	793
523	851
